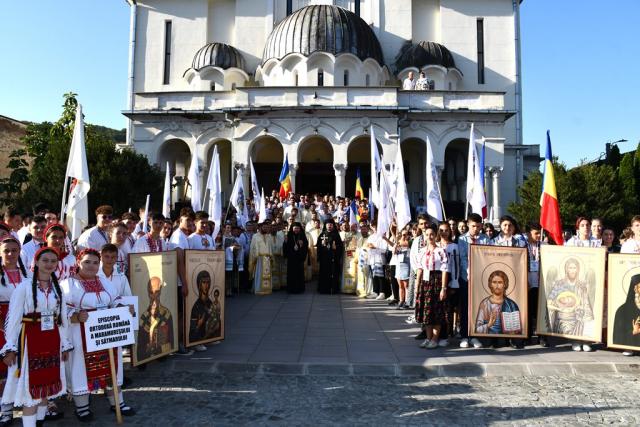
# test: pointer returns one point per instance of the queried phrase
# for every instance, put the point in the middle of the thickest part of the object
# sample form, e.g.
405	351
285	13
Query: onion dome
218	55
323	28
424	53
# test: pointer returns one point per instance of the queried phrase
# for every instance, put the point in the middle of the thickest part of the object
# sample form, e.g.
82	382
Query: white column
341	171
495	176
293	170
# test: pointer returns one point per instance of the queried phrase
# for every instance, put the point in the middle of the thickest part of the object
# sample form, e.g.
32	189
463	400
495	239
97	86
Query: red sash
4	309
43	357
97	366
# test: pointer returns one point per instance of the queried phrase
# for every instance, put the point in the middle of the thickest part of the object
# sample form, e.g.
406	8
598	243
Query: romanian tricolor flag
549	208
285	178
359	192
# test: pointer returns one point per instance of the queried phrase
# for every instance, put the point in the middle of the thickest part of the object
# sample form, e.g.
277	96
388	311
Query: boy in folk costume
29	249
260	260
98	236
36	341
151	241
200	240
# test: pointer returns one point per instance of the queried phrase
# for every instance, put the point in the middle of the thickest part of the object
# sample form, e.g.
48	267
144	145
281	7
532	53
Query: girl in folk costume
12	273
89	371
453	264
432	276
403	266
55	237
36	341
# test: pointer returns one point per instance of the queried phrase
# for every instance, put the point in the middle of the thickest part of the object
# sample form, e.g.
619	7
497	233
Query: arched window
345	78
367	80
295	78
233	86
213	87
320	77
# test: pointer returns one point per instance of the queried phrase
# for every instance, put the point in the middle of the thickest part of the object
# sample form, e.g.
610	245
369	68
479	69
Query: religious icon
498	292
623	290
205	302
154	280
571	295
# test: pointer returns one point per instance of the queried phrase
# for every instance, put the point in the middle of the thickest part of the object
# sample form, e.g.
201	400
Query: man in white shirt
180	242
14	220
200	240
409	83
29	249
96	237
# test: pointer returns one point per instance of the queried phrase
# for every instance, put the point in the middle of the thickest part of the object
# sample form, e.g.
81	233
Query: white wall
394	28
425	20
222	15
250	30
189	33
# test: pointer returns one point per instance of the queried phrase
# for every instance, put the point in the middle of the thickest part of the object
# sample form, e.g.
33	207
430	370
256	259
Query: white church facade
262	79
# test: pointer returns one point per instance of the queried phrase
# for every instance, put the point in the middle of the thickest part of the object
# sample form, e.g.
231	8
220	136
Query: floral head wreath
46	249
87	251
50	227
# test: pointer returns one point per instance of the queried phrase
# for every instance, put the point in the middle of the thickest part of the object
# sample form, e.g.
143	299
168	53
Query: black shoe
421	336
517	344
543	342
87	416
125	410
39	423
53	414
393	302
6	420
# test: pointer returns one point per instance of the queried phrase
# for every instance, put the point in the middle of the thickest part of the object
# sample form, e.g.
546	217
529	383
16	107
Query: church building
261	79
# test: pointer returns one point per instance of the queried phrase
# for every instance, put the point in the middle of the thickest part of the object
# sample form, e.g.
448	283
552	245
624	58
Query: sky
580	68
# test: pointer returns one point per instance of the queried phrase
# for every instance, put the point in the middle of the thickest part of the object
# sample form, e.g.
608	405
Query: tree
119	178
587	190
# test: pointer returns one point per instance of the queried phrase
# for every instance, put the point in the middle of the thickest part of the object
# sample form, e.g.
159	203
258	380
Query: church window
320	77
480	41
367	80
346	78
167	52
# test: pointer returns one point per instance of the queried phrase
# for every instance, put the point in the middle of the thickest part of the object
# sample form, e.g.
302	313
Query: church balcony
322	98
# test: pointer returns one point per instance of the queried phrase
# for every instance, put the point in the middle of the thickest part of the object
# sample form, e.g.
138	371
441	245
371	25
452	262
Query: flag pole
64	196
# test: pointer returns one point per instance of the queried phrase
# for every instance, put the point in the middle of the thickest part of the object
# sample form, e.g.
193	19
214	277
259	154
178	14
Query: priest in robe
260	260
330	250
295	250
349	235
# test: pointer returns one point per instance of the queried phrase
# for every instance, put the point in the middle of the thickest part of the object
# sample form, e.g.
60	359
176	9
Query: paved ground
339	360
194	399
343	329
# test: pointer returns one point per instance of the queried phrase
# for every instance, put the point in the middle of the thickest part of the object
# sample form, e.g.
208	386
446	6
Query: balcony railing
383	98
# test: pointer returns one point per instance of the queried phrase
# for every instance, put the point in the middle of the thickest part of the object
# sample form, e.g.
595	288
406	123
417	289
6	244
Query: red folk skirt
97	366
43	357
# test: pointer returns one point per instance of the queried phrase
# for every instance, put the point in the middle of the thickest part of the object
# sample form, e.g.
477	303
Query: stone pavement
338	360
343	334
194	399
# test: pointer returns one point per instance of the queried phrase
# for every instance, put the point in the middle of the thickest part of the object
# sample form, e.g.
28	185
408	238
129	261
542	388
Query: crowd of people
50	283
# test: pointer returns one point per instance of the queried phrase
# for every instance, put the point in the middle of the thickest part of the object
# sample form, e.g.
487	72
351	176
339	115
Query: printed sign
105	329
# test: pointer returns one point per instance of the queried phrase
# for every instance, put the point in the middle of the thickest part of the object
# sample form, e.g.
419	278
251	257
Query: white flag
215	189
434	207
262	210
376	166
402	207
385	211
238	200
166	195
77	206
257	199
475	177
353	214
194	180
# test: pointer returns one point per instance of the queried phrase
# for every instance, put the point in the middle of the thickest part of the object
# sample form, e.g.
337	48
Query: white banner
105	329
